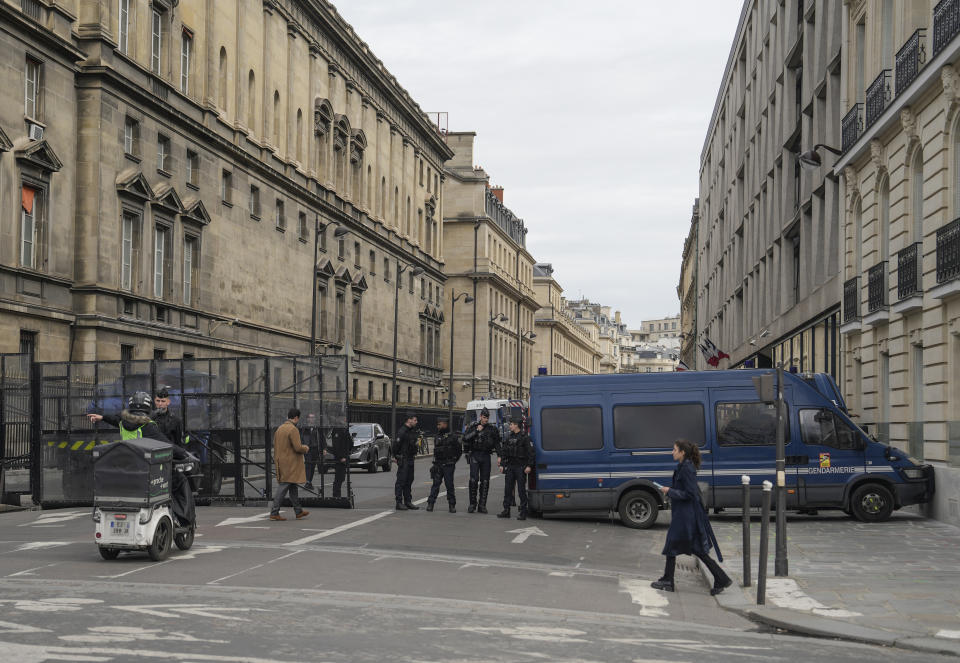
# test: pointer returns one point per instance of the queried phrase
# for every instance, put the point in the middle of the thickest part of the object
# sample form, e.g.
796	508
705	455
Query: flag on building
682	366
708	356
714	350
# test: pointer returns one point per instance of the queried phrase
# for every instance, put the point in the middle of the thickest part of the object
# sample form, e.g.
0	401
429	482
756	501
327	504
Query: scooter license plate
119	530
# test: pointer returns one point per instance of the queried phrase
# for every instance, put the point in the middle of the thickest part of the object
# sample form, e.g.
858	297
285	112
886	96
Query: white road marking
10	627
36	545
233	575
173	610
525	533
245	519
651	601
59	604
689	645
538	633
785	593
30	572
562	574
22	652
342	528
148	566
193	552
99	634
47	519
943	633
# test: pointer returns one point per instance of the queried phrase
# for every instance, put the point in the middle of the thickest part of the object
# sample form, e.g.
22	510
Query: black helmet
140	402
163	392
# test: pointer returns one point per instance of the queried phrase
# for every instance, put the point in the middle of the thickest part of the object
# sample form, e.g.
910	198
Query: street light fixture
811	158
499	317
453	301
520	336
396	319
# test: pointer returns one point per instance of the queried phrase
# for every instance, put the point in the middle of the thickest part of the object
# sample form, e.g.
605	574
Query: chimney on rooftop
498	192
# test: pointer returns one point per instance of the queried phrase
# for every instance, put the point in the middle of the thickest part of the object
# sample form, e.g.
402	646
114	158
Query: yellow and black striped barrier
78	445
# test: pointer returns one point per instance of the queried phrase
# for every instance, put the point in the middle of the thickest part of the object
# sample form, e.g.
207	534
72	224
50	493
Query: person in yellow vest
134	420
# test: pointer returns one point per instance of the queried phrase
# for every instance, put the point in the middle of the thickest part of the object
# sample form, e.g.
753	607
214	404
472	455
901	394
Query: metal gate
229	408
15	412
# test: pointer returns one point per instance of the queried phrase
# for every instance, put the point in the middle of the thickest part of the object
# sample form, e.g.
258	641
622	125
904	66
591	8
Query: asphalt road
371	584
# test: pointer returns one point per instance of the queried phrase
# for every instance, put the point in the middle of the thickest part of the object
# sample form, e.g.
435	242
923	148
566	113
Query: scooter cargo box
132	473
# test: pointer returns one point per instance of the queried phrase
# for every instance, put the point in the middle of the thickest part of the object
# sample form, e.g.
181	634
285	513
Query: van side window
657	426
747	424
571	428
824	428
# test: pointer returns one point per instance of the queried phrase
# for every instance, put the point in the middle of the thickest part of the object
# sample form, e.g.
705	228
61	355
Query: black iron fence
877	97
908	271
15	409
909	60
948	251
946	23
877	287
851	299
851	127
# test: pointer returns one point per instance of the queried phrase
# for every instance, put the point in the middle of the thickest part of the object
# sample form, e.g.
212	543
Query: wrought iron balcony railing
851	299
877	98
909	60
946	23
908	271
851	127
948	252
877	287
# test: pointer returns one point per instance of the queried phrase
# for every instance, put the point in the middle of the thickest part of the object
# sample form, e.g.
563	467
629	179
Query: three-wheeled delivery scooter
135	486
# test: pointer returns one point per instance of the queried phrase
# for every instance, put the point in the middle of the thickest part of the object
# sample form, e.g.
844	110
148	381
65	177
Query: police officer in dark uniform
478	443
446	452
170	424
404	451
341	444
516	462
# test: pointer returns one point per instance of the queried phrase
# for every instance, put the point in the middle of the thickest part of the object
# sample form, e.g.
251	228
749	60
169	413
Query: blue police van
602	441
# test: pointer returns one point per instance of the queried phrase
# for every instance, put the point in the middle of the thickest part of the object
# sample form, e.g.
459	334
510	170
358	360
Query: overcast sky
591	115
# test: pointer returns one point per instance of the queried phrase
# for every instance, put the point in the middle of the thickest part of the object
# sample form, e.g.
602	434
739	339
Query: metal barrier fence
15	409
229	408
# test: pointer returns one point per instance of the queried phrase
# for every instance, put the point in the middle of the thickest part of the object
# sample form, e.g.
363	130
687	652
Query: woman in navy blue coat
690	532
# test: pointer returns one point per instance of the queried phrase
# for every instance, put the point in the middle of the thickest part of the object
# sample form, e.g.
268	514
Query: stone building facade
901	254
687	292
662	330
486	258
562	346
768	245
194	154
610	330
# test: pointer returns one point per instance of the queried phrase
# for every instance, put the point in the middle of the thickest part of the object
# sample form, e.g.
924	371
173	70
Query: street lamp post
499	317
520	336
453	301
396	320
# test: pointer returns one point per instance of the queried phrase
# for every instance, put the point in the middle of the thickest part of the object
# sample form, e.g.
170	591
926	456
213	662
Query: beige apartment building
177	178
662	330
562	346
768	273
486	259
687	292
901	252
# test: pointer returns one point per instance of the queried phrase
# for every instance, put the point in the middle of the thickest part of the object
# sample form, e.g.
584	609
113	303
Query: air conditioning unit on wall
35	131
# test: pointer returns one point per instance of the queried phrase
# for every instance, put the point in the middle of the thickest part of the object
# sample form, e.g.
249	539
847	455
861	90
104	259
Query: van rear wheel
638	509
871	503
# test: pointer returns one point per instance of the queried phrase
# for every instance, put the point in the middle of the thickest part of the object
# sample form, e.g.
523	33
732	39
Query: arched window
299	136
956	169
251	101
222	87
383	198
369	200
276	119
883	232
406	219
916	174
396	206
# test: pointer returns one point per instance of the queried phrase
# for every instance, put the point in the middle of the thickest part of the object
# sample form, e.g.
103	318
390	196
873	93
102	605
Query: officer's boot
482	499
522	515
505	513
429	506
472	490
400	506
453	507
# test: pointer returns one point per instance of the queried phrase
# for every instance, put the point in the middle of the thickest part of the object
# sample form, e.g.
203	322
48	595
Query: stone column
267	98
290	149
209	93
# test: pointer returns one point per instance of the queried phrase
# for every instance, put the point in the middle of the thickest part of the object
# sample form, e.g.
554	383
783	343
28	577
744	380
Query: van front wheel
638	509
871	503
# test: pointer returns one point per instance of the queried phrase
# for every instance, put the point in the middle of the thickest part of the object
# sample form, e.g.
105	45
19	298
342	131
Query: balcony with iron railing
851	304
909	279
851	127
877	289
946	23
910	59
948	261
877	97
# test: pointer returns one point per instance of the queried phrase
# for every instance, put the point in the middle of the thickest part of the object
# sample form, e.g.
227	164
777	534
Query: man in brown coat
288	454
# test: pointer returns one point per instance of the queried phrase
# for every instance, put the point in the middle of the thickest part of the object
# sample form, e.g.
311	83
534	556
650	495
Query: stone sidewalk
895	583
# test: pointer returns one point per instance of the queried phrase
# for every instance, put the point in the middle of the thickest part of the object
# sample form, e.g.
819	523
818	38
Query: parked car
371	448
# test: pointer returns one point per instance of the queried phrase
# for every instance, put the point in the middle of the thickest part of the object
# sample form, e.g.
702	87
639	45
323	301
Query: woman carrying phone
690	532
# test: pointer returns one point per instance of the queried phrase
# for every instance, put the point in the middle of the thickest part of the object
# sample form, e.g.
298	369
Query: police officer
134	420
479	442
404	451
341	444
516	462
446	452
309	435
169	424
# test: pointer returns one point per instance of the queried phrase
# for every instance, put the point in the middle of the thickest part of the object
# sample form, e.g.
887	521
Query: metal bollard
745	480
764	544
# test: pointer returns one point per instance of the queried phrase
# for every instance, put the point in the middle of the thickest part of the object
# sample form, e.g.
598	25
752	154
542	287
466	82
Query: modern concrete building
486	258
901	252
561	347
170	167
768	242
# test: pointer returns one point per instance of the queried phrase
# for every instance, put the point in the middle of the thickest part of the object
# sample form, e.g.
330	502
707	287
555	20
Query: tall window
357	322
129	250
884	234
163	152
161	255
251	100
254	201
341	319
917	176
226	186
123	27
276	119
29	222
302	226
156	41
31	88
321	311
193	168
131	137
189	268
186	49
279	218
222	79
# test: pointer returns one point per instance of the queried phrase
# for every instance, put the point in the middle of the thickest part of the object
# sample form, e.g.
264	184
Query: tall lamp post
520	336
499	317
396	320
453	301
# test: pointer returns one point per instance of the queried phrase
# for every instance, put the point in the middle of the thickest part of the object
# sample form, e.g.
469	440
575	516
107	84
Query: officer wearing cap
516	462
446	453
404	451
478	443
169	424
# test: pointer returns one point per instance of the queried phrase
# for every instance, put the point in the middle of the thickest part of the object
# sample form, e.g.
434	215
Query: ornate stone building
768	244
687	292
562	346
487	259
179	175
901	255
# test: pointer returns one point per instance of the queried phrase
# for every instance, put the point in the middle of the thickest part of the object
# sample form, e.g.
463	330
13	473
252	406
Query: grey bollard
764	544
745	480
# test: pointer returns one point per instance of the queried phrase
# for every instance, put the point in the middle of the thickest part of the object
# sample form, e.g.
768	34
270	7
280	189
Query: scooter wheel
108	553
184	541
162	538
